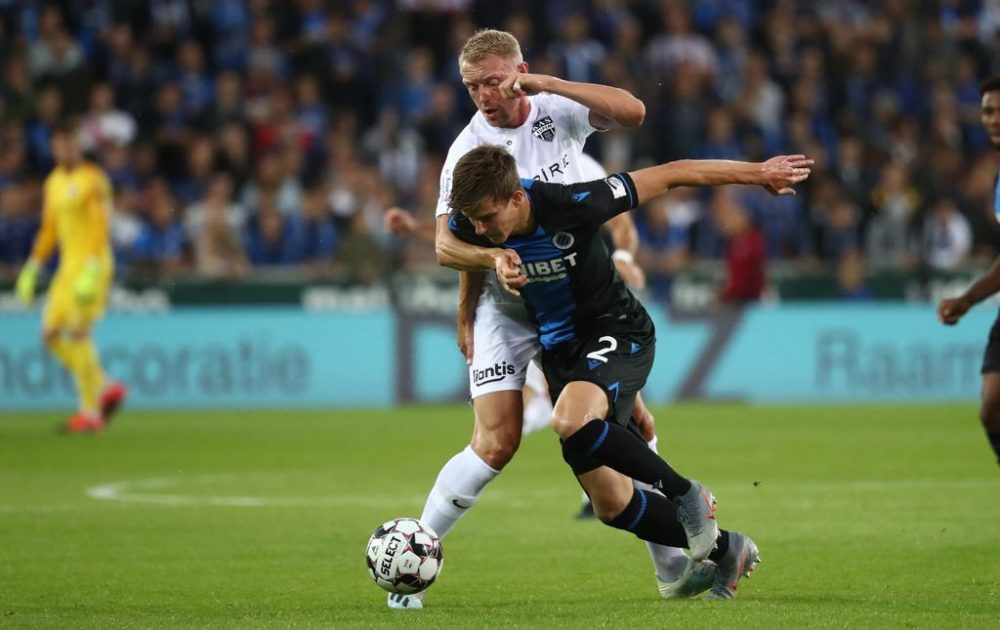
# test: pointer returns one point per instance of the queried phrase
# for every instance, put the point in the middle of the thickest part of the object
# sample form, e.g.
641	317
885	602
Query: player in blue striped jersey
598	341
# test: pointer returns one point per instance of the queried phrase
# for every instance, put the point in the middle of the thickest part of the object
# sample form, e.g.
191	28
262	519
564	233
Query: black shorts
617	361
991	357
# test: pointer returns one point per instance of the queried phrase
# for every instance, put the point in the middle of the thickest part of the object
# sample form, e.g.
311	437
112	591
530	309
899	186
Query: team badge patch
617	187
563	240
544	129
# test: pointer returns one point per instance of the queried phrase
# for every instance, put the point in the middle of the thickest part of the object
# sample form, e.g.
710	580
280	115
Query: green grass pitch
874	516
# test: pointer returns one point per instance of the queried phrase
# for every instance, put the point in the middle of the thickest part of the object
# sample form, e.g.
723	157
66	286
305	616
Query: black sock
994	438
612	445
722	546
651	516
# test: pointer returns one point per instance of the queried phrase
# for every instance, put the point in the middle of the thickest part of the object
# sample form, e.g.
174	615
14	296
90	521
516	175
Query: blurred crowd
248	134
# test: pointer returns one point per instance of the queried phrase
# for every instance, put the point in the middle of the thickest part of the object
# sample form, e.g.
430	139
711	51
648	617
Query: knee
496	448
608	506
565	423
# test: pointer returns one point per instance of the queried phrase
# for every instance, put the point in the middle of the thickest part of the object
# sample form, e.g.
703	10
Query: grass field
885	516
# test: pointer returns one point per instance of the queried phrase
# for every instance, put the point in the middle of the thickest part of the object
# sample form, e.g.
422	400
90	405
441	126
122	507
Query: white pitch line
144	491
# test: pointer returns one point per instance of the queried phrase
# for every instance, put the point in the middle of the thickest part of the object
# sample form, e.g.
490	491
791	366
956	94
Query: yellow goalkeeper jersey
77	215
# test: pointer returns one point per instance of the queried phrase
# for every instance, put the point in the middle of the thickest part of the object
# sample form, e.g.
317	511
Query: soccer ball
404	556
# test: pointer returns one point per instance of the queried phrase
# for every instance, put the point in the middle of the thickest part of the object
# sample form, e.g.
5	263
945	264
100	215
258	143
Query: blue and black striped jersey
572	283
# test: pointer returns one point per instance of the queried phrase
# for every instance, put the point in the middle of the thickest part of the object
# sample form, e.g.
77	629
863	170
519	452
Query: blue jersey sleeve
584	206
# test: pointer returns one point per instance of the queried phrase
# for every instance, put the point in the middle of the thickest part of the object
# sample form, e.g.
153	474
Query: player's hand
522	84
85	285
400	222
631	273
509	273
644	420
781	172
464	328
952	310
26	281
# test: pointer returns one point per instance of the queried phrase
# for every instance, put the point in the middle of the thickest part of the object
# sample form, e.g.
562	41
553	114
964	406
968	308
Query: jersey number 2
598	355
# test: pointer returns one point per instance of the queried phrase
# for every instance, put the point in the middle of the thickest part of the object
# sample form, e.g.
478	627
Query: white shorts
504	343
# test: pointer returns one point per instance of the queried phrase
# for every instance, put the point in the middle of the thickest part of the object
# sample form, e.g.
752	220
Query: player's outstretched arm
41	250
401	223
777	175
610	107
952	309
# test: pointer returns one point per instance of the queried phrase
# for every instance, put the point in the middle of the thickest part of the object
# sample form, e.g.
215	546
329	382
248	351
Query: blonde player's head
488	42
66	149
486	60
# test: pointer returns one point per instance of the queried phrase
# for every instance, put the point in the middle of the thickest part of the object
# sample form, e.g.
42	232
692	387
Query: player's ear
523	67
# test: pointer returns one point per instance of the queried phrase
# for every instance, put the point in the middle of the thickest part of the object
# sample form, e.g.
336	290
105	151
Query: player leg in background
67	334
537	404
989	410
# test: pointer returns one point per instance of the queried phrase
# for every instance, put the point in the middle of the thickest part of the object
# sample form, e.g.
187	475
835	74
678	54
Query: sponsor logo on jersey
544	128
549	173
549	270
580	196
617	187
492	374
563	240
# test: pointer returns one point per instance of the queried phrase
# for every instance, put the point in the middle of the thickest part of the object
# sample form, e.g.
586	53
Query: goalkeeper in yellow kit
76	215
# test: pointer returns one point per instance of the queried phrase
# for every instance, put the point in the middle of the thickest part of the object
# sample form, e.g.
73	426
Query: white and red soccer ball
404	556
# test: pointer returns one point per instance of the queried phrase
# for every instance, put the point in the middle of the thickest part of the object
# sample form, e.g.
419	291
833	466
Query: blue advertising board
222	358
289	357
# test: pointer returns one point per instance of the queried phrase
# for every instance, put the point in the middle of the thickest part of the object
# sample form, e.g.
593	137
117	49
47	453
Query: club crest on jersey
544	129
563	240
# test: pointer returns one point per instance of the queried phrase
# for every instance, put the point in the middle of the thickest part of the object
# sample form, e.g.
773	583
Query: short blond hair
487	42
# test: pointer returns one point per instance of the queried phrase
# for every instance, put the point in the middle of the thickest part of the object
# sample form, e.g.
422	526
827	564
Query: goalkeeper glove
26	281
85	285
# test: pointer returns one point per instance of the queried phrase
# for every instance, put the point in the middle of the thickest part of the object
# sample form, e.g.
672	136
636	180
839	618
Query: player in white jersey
543	121
537	413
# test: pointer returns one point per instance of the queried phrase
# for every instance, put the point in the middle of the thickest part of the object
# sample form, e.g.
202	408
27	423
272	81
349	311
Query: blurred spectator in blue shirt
577	55
947	236
318	236
159	249
18	224
194	82
663	226
273	238
38	132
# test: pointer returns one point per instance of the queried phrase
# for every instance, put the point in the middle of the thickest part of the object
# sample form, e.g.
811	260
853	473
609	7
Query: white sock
537	414
459	483
668	562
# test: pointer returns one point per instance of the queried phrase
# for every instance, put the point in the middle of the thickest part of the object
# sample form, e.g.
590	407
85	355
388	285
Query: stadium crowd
248	134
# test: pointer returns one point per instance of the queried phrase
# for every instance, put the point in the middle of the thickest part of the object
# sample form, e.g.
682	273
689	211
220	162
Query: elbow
634	115
444	258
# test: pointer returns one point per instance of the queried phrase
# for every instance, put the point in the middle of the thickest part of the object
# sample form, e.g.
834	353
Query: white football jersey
548	147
